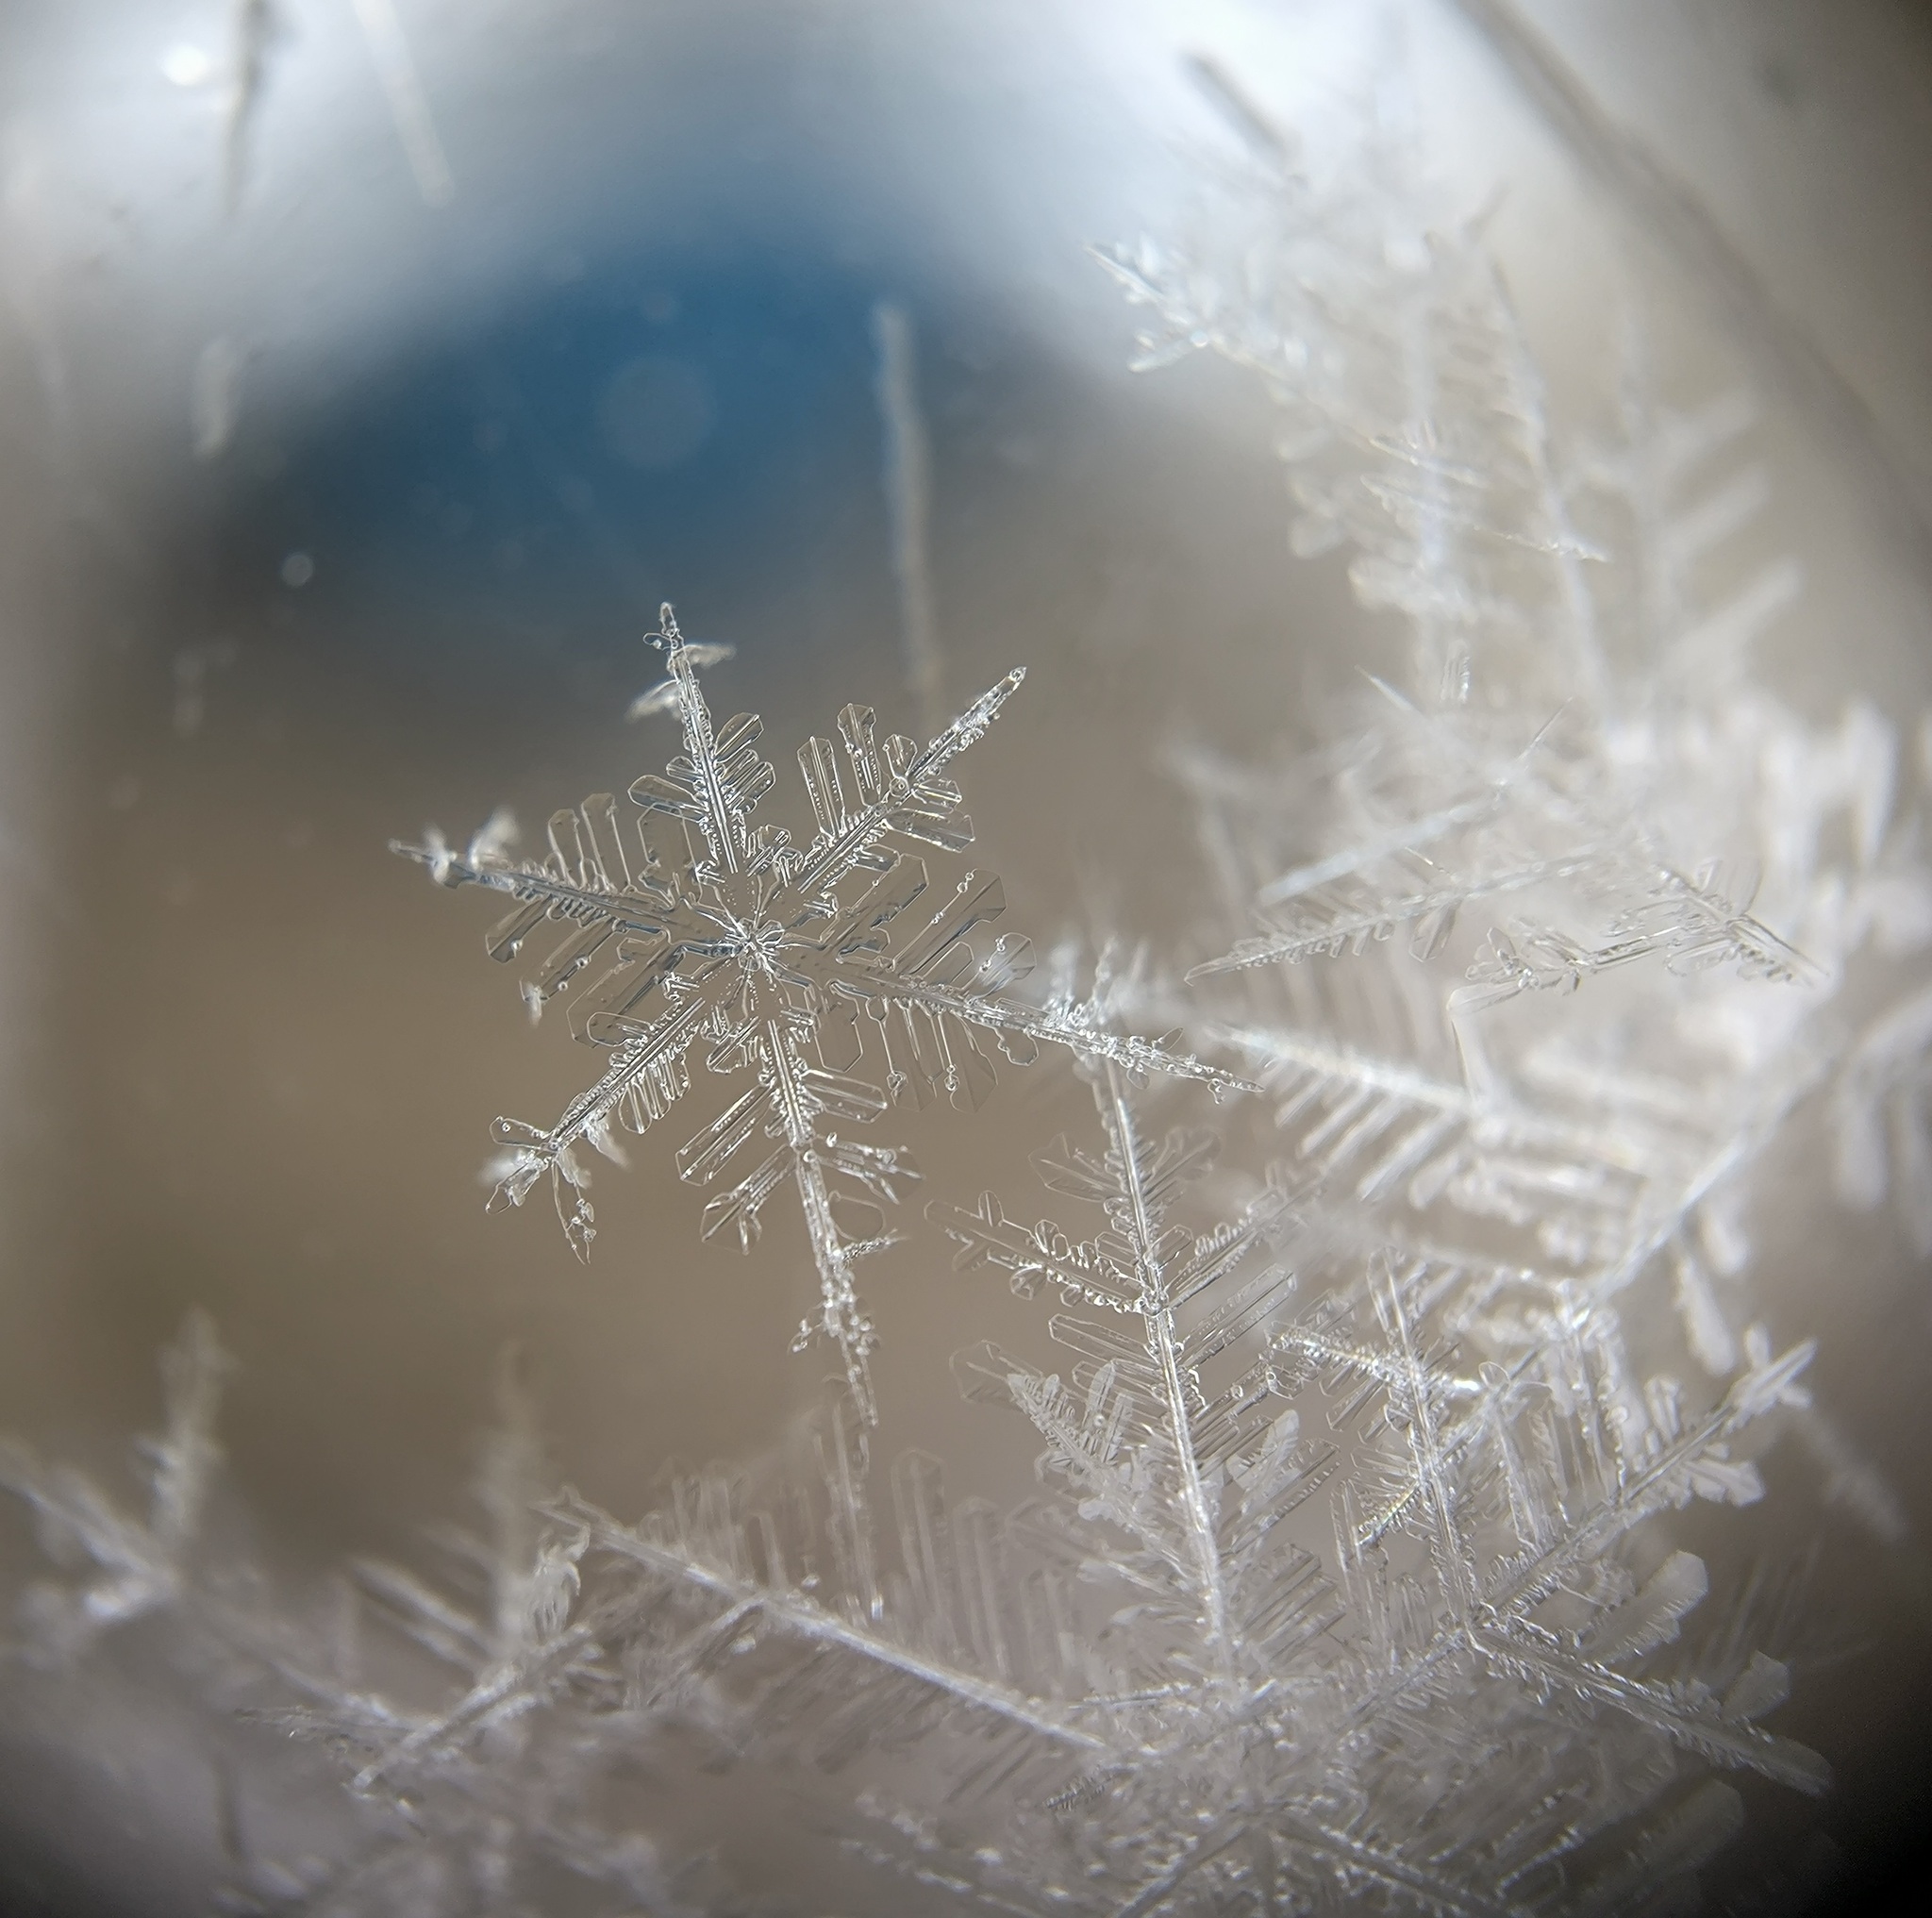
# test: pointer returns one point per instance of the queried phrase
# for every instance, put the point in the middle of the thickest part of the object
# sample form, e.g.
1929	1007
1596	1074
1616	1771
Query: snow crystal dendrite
833	974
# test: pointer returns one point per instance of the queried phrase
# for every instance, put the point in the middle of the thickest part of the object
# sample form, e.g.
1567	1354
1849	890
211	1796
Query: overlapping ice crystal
1363	1412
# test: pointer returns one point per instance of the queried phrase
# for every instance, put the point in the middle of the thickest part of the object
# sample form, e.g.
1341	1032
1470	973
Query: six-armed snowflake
789	964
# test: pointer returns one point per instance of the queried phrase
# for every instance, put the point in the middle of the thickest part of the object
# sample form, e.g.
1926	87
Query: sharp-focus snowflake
788	964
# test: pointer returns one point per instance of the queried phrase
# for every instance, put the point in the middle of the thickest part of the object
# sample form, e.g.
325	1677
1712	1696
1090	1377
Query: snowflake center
760	947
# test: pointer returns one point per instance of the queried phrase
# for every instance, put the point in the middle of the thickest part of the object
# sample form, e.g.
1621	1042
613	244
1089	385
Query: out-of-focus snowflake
1584	790
1143	1693
121	1567
463	1803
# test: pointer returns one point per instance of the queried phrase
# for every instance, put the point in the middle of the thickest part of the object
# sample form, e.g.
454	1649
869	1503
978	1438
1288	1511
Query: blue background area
472	479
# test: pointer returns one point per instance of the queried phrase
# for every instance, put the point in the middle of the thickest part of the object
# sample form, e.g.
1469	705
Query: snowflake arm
814	1625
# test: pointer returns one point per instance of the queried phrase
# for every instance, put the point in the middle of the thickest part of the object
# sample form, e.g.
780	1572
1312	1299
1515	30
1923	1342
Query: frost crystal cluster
1370	1401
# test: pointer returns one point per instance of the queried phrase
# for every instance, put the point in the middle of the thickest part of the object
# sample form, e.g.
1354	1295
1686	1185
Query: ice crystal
1357	1573
1584	749
1584	771
1882	1104
463	1800
130	1567
483	1789
409	107
1480	1512
1044	1708
908	476
788	963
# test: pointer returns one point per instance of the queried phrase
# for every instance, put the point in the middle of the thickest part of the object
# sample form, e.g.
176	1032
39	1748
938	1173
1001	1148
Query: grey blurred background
358	407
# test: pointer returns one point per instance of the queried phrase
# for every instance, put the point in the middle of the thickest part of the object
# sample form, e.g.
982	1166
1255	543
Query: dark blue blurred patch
626	435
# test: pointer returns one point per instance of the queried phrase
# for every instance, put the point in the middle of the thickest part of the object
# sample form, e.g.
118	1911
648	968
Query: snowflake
785	963
1263	1721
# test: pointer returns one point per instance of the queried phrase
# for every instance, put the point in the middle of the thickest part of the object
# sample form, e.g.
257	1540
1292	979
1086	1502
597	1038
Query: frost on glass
1371	1415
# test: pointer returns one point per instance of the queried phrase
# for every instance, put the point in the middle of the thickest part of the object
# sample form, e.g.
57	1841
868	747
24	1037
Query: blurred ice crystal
127	1567
1140	1692
1584	790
